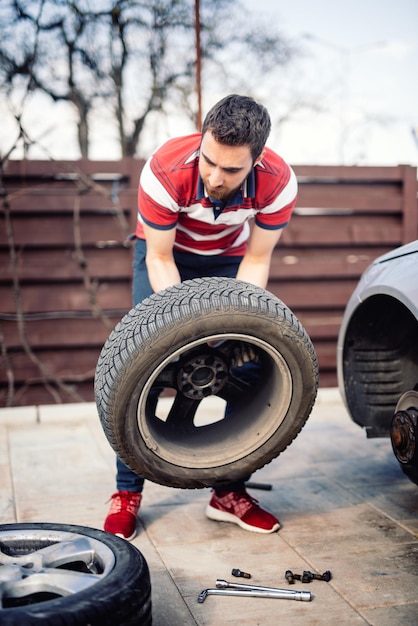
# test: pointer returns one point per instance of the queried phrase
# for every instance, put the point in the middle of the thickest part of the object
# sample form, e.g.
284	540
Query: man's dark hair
239	121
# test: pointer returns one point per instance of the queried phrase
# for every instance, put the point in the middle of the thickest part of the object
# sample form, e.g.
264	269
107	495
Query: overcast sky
377	93
359	69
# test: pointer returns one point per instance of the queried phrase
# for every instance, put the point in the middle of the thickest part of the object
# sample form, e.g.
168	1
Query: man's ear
260	157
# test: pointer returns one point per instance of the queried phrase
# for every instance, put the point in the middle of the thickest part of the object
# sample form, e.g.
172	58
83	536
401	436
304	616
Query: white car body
377	353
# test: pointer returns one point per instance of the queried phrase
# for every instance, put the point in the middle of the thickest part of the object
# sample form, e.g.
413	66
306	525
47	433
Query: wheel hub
403	434
202	375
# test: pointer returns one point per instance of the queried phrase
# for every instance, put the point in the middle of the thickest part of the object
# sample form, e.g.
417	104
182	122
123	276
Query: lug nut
291	577
239	574
307	576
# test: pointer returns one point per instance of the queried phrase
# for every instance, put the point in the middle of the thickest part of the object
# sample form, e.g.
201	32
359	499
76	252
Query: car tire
67	575
183	340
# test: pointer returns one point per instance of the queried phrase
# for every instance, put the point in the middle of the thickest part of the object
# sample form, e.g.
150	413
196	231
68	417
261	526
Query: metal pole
198	66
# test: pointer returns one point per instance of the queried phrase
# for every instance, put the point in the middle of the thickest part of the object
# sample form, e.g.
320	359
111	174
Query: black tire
163	344
66	575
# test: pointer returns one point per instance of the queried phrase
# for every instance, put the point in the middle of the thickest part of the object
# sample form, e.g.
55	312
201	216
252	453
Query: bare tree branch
131	57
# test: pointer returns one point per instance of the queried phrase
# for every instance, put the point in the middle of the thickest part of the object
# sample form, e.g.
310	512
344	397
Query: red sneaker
121	519
240	508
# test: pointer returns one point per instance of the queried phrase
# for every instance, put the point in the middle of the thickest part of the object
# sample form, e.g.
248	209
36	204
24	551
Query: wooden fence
65	262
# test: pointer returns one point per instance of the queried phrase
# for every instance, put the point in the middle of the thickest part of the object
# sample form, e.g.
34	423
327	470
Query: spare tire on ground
205	382
67	575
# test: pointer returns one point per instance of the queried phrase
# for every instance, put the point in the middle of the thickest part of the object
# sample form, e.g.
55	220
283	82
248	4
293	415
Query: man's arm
162	269
255	265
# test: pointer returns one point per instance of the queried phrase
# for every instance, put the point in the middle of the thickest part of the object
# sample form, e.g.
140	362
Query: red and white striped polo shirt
171	195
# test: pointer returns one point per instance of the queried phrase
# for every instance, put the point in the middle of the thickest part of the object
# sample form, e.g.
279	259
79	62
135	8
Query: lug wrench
223	588
303	595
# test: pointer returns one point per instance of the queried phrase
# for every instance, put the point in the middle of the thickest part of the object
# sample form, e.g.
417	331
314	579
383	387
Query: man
196	197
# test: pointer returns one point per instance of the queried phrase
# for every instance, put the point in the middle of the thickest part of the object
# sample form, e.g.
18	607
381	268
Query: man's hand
242	352
237	352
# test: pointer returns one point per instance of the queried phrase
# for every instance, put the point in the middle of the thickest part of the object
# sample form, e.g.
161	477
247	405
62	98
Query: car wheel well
380	361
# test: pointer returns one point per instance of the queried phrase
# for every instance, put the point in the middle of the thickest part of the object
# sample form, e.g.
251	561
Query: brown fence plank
38	394
67	297
321	324
58	333
378	197
70	364
342	230
50	202
58	230
26	169
308	262
341	173
322	294
52	264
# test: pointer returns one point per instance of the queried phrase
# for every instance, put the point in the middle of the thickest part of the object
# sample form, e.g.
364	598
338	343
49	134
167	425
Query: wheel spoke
167	377
75	550
235	389
78	550
59	582
182	412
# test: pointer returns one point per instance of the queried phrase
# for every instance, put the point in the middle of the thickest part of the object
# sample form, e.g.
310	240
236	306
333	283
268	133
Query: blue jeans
189	266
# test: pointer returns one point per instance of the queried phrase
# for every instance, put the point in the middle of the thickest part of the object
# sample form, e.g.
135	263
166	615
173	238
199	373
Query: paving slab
343	502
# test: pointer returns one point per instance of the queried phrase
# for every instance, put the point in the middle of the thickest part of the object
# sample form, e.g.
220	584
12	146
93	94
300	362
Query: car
377	353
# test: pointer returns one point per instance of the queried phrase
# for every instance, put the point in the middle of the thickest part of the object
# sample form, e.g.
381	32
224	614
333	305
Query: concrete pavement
343	502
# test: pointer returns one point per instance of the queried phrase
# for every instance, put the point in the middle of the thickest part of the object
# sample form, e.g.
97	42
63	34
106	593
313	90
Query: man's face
222	168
